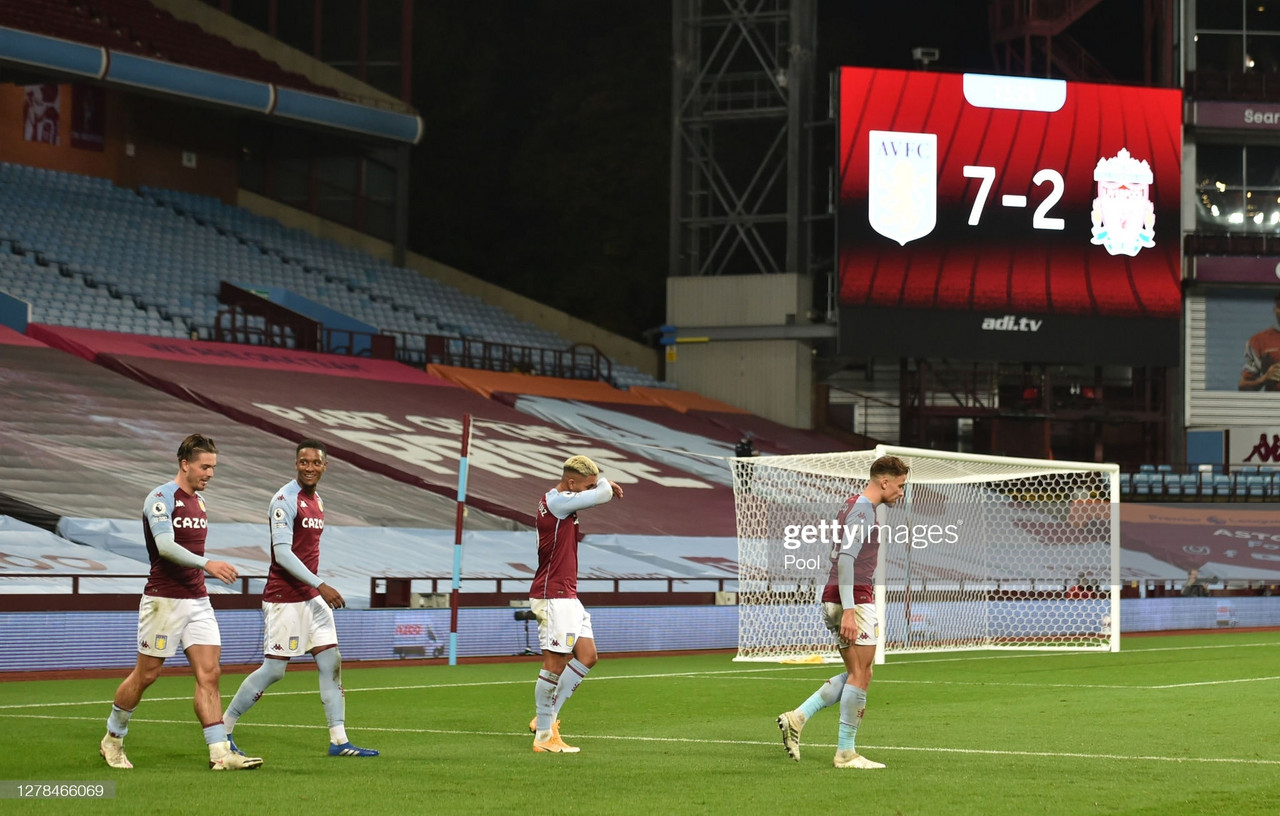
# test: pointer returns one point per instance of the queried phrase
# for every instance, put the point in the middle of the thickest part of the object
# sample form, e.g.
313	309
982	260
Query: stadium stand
1200	482
153	264
404	424
78	440
138	27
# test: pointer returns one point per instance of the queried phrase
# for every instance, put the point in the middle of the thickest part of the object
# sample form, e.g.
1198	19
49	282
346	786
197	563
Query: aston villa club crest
293	643
902	184
1123	216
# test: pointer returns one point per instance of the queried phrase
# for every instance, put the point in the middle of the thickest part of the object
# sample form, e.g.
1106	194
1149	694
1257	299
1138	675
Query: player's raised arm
563	504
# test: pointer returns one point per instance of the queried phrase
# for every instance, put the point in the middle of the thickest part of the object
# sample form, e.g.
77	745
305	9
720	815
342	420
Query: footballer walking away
175	608
564	627
297	607
849	611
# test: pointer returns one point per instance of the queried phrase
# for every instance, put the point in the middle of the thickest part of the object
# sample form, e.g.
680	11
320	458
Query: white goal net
982	552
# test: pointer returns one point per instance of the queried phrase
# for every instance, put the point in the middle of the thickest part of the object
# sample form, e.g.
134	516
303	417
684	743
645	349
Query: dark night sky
545	163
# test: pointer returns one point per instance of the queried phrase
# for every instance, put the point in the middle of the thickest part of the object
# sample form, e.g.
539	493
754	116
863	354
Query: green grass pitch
1170	725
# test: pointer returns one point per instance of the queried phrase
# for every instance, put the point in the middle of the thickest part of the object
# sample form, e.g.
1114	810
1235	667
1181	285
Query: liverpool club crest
1123	216
902	184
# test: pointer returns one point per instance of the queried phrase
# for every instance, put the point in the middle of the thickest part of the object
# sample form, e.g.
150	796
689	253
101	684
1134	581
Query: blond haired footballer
848	608
174	611
564	627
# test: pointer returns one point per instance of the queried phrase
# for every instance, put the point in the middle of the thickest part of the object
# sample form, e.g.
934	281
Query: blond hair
888	466
581	465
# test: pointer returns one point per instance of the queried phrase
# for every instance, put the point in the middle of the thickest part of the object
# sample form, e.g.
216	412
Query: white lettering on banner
283	413
1252	117
416	450
531	450
438	424
532	433
513	460
334	418
1249	534
637	471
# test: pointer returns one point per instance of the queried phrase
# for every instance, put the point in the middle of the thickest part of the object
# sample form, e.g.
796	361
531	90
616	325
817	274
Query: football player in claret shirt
564	627
848	608
175	608
297	606
1261	370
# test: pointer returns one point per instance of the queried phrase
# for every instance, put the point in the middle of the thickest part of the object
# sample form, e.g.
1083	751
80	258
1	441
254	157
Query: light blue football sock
118	722
544	694
853	703
332	694
251	690
827	695
570	679
215	733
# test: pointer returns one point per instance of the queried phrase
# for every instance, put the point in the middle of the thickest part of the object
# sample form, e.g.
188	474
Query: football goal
982	552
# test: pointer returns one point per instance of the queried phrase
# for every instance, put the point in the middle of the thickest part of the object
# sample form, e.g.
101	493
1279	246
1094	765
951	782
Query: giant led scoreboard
1008	218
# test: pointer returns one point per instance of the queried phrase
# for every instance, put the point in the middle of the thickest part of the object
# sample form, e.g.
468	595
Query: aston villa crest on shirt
1123	216
902	184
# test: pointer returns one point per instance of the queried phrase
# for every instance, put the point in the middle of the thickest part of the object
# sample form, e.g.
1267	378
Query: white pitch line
1216	682
879	681
995	683
726	674
420	687
911	659
693	741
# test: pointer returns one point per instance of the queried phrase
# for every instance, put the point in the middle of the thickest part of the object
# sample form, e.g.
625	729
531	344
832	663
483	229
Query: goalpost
982	552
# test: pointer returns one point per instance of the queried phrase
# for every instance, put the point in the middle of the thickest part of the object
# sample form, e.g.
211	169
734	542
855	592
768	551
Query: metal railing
581	361
77	577
379	585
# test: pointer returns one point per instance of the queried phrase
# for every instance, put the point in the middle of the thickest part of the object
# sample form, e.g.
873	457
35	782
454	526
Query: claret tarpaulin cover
405	424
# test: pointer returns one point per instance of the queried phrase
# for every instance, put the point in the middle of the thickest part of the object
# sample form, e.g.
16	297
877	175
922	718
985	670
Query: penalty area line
697	741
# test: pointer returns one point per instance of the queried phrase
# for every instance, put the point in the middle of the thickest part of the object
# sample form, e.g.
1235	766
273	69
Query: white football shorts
864	614
562	622
293	629
164	624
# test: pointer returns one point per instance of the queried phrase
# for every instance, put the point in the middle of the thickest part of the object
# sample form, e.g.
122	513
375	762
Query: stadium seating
1201	483
108	258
